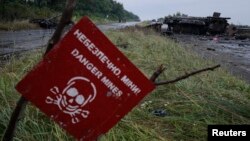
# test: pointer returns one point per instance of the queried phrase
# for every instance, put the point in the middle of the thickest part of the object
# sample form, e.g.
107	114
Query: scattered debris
48	23
226	51
44	23
211	49
125	45
160	112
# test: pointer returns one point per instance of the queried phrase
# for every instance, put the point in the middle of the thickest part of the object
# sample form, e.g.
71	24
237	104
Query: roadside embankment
190	105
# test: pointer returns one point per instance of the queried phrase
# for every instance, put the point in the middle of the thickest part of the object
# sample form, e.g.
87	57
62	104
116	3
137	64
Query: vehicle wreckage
198	25
49	22
210	25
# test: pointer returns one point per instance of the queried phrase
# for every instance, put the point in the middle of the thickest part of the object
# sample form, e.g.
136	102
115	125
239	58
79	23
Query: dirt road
232	54
16	42
19	41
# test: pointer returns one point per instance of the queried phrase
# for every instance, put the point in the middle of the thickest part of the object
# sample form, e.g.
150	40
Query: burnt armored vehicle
198	25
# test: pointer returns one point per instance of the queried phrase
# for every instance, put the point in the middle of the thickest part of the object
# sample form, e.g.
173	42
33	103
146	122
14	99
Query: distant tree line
105	8
19	9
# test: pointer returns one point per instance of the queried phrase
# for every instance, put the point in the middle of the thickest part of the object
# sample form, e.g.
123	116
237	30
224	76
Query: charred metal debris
210	25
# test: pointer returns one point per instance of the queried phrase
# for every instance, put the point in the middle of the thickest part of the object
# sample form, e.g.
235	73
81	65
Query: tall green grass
16	16
209	98
10	11
34	125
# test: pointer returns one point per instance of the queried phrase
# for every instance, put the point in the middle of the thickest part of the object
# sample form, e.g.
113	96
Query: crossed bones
61	101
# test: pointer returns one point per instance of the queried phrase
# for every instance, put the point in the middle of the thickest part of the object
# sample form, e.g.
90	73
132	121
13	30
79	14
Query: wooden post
22	102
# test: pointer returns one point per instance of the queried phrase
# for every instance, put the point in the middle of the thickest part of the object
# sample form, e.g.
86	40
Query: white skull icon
73	97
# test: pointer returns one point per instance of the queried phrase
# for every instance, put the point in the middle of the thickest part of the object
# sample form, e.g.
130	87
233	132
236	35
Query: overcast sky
238	10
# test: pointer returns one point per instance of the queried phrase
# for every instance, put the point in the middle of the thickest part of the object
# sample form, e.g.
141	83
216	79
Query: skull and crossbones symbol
71	101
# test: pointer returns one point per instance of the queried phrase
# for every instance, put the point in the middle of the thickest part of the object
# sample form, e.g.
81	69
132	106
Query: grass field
209	98
16	16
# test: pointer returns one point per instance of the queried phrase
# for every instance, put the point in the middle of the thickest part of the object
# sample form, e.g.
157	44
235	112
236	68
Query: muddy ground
234	55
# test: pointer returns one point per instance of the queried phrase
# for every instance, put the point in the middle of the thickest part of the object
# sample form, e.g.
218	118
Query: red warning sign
85	83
